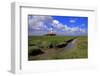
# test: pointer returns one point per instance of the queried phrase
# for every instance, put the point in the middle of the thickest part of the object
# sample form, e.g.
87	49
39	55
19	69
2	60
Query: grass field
43	48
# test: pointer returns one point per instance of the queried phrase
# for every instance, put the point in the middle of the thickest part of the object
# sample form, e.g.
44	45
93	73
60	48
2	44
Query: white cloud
72	21
39	22
75	30
56	24
55	21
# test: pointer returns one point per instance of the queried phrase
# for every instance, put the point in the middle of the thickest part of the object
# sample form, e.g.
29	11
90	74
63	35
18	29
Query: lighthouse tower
51	30
51	33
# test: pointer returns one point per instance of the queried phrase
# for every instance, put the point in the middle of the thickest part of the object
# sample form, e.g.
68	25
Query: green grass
43	42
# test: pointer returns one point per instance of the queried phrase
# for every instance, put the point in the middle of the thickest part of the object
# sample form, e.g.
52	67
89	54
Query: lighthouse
51	32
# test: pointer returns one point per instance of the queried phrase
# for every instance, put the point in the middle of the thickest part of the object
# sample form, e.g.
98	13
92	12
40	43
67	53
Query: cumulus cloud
55	21
40	22
72	21
58	25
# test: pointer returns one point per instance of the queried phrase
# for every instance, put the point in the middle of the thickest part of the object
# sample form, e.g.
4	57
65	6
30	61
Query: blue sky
61	25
